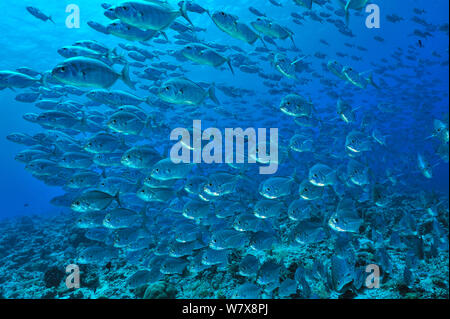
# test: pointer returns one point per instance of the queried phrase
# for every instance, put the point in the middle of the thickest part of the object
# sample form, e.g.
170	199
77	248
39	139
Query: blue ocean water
407	57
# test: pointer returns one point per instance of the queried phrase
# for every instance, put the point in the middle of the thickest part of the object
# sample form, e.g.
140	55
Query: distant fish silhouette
39	14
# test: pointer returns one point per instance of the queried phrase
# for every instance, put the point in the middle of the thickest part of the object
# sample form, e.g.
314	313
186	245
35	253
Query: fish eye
167	88
222	13
315	175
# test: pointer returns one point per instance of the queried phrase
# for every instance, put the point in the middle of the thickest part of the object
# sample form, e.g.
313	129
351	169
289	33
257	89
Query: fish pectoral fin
298	60
180	92
346	8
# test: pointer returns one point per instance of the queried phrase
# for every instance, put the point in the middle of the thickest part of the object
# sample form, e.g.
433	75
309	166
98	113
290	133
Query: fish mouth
352	149
186	215
268	196
333	225
258	215
203	198
210	192
317	183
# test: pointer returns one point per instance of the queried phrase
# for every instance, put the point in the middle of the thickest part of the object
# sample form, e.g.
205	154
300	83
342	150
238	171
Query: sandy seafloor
35	250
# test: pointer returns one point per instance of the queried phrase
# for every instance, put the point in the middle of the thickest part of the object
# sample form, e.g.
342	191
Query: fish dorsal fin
365	72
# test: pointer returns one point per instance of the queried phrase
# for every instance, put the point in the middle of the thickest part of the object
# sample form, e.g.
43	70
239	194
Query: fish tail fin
293	42
370	80
126	77
43	79
230	66
263	42
294	175
293	159
338	189
144	131
183	11
149	101
110	55
242	174
117	198
332	176
143	212
164	35
103	173
148	122
120	57
212	94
